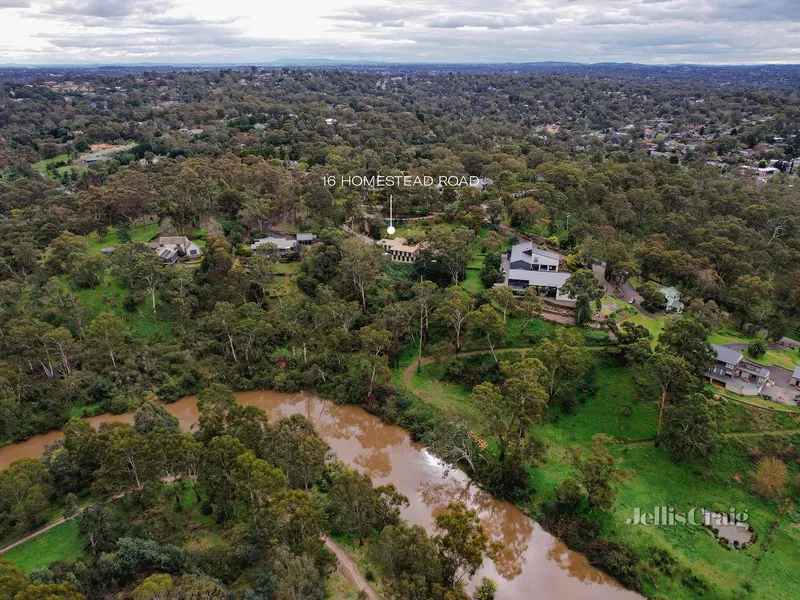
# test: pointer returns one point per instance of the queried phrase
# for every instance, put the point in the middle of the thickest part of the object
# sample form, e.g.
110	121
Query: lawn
109	297
61	543
472	282
41	165
655	325
788	359
143	233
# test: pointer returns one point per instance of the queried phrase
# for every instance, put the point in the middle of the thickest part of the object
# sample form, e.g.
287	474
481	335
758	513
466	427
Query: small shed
108	250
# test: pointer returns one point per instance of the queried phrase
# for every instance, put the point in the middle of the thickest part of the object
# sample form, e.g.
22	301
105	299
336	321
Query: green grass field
788	359
143	233
41	165
655	325
61	543
109	297
618	411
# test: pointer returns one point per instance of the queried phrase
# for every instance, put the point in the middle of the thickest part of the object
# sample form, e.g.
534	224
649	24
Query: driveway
782	391
624	291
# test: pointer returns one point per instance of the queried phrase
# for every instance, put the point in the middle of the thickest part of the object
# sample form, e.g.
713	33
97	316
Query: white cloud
247	31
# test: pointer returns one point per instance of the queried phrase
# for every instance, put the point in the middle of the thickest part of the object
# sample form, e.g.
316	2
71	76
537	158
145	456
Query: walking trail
349	569
347	566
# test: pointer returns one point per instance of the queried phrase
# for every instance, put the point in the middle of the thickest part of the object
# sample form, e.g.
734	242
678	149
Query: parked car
632	301
766	397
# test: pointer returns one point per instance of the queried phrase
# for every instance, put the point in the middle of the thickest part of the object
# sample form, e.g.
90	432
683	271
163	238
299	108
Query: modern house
737	373
673	300
306	239
795	378
170	249
283	245
530	266
399	249
529	257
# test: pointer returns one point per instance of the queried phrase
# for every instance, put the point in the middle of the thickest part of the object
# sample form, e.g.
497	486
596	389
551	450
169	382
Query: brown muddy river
533	564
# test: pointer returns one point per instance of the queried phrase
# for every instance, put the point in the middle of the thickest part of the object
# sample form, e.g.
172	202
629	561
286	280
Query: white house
673	300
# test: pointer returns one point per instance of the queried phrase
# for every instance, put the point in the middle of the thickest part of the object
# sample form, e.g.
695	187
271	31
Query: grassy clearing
61	543
787	359
340	589
655	325
109	296
472	282
41	165
143	233
746	417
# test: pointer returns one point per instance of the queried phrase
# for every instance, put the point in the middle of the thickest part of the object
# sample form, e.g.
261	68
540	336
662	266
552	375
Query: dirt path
347	566
349	569
58	522
748	434
30	536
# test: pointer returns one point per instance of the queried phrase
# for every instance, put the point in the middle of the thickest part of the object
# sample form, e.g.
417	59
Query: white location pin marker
390	230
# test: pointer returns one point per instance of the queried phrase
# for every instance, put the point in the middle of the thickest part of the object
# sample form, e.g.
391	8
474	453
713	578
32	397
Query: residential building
283	245
170	249
529	257
530	266
399	249
795	378
739	375
306	239
673	300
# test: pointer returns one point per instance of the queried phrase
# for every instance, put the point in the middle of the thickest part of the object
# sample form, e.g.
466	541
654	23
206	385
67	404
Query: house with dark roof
530	266
738	374
530	257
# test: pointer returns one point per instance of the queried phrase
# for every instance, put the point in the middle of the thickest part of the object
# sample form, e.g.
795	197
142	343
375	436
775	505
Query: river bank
532	558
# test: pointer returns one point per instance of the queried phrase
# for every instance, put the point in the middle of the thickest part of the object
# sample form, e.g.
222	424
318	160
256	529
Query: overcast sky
247	31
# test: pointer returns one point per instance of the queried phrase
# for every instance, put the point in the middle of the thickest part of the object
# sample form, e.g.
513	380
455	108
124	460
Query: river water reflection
533	564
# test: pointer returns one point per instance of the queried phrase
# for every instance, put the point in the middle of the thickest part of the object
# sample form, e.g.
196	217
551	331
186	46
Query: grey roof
281	243
519	252
796	373
726	355
539	278
306	237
